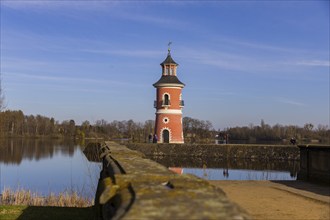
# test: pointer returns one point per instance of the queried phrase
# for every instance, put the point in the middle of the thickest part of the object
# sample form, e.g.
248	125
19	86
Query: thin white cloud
54	4
262	46
234	42
153	19
122	52
253	62
229	61
65	45
290	102
96	5
69	79
23	4
324	63
117	11
60	87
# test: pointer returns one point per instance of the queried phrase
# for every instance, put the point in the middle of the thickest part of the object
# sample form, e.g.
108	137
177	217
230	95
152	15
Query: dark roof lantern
169	59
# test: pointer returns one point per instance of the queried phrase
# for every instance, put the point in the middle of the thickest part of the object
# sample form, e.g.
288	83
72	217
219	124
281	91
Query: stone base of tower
168	128
172	140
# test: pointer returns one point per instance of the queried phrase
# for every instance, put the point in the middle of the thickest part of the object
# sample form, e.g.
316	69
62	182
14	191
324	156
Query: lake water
232	169
239	174
46	166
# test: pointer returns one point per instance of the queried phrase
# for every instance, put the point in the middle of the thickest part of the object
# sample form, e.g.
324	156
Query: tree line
264	132
16	124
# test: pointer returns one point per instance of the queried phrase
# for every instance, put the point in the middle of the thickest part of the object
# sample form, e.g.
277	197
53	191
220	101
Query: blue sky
241	61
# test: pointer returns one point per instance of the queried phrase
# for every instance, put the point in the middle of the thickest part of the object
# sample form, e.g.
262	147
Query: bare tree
2	96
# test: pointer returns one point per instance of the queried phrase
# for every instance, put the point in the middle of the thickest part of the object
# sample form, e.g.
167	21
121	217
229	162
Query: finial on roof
169	47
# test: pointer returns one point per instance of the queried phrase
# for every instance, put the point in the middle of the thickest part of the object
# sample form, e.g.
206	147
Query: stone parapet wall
133	187
230	163
246	151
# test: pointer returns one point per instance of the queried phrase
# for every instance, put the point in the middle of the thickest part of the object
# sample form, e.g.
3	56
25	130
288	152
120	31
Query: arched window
166	100
166	136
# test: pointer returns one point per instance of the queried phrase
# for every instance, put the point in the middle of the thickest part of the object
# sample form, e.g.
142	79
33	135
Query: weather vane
169	46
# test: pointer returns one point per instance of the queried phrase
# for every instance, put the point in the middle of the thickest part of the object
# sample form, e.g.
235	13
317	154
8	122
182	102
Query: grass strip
21	212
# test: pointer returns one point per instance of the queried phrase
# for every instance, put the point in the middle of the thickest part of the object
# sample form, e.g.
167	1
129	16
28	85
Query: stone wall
231	163
133	187
246	151
315	163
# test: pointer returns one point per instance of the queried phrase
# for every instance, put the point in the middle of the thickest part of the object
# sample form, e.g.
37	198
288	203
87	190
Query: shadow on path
319	189
56	213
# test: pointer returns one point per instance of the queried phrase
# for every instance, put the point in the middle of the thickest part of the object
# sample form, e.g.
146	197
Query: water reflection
13	151
232	168
46	166
239	174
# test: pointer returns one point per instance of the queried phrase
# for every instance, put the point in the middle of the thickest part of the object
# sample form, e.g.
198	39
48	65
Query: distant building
222	138
169	103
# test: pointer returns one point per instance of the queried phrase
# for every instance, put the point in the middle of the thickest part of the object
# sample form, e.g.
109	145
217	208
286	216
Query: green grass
10	212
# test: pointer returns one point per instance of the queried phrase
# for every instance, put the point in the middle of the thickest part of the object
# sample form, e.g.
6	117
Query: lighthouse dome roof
168	81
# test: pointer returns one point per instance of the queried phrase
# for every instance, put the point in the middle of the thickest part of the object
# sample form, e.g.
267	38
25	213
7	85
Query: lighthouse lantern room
169	103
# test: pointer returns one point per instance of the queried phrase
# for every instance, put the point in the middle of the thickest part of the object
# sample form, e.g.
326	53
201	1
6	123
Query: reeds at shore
27	197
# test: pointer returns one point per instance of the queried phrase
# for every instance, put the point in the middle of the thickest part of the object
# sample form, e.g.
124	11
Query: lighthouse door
166	136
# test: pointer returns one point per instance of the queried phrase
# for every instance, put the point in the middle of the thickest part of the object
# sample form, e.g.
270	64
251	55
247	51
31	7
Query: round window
166	120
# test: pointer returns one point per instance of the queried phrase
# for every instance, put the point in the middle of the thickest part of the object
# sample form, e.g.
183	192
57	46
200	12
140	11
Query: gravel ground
279	199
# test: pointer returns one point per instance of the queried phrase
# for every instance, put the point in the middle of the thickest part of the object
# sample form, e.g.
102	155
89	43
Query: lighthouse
169	103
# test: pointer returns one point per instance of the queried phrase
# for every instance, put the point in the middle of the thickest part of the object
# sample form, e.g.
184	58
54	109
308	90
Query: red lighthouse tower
169	104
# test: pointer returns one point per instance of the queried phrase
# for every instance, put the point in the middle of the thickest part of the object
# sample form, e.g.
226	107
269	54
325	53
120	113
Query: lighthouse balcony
166	103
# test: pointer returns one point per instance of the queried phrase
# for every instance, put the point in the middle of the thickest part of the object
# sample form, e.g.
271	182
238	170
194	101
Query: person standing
155	139
150	138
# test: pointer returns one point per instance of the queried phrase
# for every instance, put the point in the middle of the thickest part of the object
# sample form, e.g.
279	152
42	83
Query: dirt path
279	200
